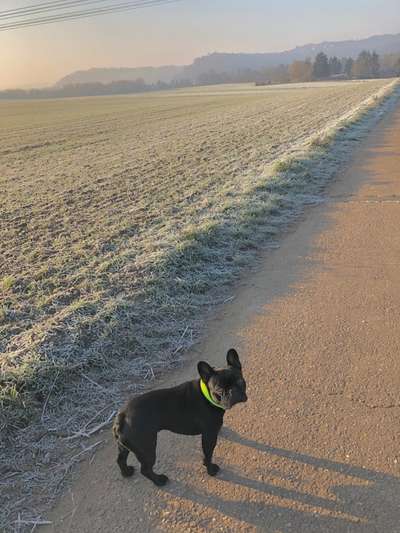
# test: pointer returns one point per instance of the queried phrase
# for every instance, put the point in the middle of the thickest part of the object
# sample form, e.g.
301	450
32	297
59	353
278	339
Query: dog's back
181	409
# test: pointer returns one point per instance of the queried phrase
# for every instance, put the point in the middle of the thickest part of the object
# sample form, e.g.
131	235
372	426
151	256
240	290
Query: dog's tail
118	426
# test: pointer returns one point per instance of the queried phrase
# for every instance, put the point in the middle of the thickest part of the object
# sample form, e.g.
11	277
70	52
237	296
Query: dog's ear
232	359
205	370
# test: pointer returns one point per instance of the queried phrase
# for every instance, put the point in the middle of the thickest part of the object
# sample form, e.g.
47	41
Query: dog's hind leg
123	452
145	451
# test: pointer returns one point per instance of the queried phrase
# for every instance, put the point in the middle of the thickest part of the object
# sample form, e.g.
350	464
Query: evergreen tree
321	66
348	66
375	66
335	66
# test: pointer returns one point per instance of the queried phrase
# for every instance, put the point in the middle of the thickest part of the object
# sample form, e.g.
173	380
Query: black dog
193	408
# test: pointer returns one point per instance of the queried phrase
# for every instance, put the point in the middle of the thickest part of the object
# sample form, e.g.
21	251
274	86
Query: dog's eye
218	397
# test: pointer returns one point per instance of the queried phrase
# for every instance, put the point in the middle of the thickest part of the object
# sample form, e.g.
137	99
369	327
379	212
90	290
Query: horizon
180	33
116	67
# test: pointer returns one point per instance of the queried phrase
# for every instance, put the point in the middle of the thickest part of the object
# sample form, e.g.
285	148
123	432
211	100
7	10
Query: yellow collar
206	394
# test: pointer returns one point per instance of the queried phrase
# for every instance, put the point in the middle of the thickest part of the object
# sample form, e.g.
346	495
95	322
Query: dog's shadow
370	502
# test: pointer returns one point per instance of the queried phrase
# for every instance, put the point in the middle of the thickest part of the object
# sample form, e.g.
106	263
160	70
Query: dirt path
316	448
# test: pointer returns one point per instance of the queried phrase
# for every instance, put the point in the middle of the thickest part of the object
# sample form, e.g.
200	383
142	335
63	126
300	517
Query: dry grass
122	221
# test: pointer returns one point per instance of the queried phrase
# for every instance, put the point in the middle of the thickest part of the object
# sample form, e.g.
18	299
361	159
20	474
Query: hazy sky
175	34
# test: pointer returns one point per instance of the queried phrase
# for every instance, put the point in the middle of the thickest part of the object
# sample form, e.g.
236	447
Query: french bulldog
193	408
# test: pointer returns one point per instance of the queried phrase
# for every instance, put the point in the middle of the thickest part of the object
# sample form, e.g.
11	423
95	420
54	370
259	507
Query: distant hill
232	62
382	44
228	62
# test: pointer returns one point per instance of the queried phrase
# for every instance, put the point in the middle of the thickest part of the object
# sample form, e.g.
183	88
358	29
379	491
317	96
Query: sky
177	33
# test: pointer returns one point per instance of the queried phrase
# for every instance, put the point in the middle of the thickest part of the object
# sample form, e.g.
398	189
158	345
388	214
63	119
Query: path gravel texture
316	447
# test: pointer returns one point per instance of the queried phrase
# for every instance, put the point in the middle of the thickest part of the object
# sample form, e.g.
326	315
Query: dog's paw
160	480
128	471
212	469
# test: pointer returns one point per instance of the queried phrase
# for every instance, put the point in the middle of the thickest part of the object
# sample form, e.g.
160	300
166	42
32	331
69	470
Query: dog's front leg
208	441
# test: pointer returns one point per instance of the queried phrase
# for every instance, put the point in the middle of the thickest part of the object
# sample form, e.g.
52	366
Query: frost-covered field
122	218
96	191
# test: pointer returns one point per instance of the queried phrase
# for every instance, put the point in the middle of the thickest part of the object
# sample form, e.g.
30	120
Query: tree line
93	89
367	65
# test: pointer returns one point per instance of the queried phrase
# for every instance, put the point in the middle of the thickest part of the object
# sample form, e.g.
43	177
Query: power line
83	14
47	6
60	6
